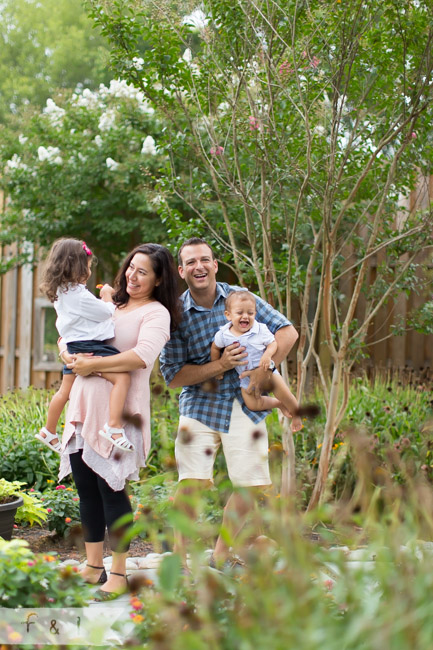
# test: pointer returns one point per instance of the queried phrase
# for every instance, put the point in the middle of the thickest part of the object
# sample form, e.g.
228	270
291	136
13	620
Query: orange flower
136	603
138	618
68	520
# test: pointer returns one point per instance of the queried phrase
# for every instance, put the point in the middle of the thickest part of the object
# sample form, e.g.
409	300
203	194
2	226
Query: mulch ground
42	540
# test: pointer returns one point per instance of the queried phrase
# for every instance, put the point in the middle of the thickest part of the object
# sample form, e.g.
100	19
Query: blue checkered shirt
190	344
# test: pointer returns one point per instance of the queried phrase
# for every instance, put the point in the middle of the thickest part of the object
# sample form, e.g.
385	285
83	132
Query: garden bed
42	540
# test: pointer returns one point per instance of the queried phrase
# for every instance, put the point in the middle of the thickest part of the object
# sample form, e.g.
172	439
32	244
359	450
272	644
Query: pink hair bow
86	249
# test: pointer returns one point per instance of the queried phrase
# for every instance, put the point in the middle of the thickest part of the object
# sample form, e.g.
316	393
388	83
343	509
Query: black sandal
103	596
102	578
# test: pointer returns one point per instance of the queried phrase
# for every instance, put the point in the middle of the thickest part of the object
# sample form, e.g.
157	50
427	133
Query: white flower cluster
223	107
112	165
107	120
187	58
158	199
196	20
87	99
55	113
119	88
187	55
50	154
138	62
148	147
14	163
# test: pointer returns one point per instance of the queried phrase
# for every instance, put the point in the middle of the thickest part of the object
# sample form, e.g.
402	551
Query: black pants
100	505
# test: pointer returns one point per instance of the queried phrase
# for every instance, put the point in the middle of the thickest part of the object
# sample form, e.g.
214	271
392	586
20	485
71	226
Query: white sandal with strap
122	442
48	438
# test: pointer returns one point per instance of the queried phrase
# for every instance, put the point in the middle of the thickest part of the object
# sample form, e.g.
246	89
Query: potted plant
13	497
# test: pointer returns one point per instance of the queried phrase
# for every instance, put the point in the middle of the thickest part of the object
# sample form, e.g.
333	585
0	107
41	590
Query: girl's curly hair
67	263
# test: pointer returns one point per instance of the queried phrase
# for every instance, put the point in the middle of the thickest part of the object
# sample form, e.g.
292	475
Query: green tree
46	45
302	128
86	167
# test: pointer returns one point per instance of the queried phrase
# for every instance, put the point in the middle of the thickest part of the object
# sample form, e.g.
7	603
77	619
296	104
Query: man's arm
190	374
286	338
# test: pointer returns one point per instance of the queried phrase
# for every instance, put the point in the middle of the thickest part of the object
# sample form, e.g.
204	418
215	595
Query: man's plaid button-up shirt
190	344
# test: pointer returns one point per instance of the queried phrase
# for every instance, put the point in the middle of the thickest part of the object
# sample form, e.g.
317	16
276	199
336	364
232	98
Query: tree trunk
328	437
288	478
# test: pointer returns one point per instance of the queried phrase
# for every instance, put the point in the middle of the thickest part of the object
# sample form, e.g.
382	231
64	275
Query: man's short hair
193	241
241	294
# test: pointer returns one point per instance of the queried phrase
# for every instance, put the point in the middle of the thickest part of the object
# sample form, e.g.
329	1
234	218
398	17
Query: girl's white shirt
81	316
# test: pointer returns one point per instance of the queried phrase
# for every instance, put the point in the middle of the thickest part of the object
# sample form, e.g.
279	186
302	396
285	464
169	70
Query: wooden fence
27	332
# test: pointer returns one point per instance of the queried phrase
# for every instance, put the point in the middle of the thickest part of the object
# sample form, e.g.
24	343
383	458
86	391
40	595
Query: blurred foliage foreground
353	574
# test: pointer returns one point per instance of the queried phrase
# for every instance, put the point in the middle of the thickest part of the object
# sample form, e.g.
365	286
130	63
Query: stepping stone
356	565
361	555
341	549
68	563
150	561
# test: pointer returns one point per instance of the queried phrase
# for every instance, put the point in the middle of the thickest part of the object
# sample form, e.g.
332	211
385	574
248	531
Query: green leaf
169	573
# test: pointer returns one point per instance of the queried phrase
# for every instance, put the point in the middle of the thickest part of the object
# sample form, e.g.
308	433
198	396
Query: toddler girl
260	345
84	323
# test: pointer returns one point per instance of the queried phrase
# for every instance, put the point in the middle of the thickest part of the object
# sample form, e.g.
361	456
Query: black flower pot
7	517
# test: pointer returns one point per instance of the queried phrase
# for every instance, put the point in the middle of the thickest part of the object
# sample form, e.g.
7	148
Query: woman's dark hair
167	290
67	263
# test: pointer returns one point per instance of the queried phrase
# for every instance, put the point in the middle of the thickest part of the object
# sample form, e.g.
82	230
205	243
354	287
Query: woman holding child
147	309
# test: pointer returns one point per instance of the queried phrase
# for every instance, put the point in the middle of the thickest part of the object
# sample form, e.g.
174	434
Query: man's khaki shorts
245	449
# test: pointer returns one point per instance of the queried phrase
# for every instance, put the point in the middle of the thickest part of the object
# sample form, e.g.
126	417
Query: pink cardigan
144	330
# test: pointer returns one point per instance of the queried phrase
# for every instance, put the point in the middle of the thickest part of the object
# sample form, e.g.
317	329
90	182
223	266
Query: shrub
395	417
62	505
22	457
29	580
289	601
344	587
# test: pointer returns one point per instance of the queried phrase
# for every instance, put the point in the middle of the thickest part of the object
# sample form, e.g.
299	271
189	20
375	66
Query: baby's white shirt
81	316
255	341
